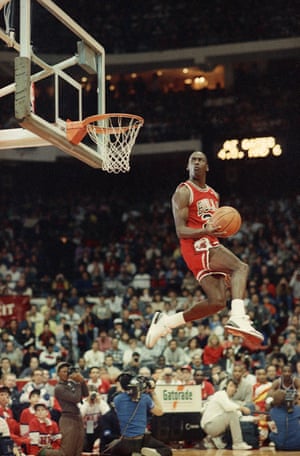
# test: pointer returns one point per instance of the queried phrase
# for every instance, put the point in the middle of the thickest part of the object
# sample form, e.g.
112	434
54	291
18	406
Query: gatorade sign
179	398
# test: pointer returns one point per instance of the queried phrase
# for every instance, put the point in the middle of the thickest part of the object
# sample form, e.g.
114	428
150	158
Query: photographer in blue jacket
133	405
285	424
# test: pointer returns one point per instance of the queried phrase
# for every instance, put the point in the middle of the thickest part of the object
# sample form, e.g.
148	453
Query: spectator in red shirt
28	413
213	351
7	414
101	385
43	432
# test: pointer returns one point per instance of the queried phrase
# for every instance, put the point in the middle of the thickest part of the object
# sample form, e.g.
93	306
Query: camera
72	370
290	396
148	383
135	385
139	385
135	388
93	396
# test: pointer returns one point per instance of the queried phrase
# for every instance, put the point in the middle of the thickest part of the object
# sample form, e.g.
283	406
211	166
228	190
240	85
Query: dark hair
231	380
199	372
35	391
4	389
124	378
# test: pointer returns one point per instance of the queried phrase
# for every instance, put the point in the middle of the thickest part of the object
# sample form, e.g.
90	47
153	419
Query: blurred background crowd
94	263
98	255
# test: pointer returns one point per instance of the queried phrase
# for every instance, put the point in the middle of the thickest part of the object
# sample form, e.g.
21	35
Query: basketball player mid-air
193	203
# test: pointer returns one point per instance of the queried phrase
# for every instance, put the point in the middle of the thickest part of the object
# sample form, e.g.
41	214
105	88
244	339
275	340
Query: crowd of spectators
111	267
159	26
96	269
261	100
257	103
92	295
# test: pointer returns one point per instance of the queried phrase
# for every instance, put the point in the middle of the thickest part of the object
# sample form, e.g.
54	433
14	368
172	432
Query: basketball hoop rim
98	117
76	130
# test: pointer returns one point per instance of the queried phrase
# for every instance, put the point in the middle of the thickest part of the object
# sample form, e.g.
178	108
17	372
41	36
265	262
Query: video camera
136	385
148	383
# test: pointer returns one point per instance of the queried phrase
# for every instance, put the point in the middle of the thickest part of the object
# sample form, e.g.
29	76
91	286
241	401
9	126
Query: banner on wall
13	307
179	398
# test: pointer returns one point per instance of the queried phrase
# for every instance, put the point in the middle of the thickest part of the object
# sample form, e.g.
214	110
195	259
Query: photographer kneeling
132	406
285	424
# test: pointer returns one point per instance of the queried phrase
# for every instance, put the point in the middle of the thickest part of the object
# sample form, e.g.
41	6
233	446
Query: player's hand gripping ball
228	220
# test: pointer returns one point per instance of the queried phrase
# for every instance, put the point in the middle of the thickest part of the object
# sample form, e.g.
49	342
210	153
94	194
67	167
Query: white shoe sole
150	340
251	335
242	449
218	443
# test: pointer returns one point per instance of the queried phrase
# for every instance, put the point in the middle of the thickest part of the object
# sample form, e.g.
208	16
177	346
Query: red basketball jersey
203	203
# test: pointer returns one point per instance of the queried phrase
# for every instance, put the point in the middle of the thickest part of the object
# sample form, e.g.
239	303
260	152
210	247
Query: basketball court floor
264	451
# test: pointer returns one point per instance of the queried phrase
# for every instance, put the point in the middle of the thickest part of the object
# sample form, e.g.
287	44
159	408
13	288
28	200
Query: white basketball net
115	135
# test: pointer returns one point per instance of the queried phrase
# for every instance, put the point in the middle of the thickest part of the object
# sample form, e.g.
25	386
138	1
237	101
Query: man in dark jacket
69	391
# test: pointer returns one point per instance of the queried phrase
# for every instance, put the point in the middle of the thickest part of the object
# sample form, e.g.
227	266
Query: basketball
229	220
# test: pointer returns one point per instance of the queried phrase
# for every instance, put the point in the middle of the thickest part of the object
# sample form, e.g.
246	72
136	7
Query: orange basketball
228	218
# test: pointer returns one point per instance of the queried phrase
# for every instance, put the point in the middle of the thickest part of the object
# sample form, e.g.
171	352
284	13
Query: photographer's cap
61	365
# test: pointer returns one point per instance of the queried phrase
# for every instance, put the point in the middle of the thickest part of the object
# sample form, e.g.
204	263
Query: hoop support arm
75	131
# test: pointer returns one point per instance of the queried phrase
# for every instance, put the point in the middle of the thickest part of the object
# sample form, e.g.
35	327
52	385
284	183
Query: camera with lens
93	396
148	383
135	385
139	385
290	396
72	370
135	388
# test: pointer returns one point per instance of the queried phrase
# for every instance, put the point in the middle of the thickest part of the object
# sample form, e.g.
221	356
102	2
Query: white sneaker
241	446
158	328
207	442
149	452
218	442
242	326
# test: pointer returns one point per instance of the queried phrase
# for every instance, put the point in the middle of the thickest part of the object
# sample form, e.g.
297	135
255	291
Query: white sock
176	320
237	307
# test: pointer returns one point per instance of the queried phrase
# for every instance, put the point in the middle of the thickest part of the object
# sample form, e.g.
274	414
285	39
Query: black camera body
148	383
139	385
290	396
93	396
72	370
135	385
